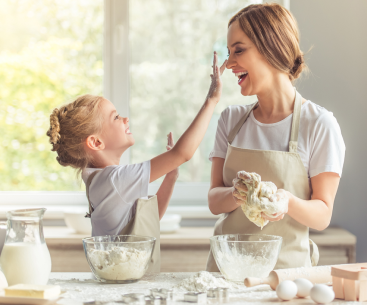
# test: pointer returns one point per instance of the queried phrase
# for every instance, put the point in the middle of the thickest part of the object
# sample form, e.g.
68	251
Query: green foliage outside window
51	52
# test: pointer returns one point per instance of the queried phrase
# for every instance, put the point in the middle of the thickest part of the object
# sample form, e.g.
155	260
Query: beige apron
145	223
287	171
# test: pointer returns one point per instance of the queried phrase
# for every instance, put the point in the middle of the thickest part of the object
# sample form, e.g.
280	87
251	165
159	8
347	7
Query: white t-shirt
320	142
113	193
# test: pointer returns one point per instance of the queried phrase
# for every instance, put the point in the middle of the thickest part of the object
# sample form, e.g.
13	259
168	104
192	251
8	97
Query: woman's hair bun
298	66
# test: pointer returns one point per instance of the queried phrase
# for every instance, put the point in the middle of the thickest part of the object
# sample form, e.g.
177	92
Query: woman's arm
220	197
190	140
315	213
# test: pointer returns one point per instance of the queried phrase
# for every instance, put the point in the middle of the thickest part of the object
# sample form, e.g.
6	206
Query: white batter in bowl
119	258
245	255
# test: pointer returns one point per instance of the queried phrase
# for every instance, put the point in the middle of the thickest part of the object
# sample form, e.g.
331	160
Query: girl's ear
94	143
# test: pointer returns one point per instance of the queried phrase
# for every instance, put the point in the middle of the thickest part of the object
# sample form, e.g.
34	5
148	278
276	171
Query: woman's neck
275	103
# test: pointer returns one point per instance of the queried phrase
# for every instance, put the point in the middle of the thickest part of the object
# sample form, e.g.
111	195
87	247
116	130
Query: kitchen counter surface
198	236
80	287
187	249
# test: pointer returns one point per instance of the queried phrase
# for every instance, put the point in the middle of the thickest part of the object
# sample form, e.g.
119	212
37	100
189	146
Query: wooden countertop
197	236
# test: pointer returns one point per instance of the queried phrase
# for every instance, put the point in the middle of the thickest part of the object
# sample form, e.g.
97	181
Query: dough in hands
261	197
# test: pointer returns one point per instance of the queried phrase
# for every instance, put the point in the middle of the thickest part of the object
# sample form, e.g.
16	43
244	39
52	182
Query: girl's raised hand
170	144
215	90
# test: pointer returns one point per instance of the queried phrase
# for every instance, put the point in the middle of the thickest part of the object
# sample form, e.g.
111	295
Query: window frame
188	199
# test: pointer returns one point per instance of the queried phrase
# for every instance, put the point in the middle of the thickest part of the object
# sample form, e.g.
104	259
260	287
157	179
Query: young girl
89	135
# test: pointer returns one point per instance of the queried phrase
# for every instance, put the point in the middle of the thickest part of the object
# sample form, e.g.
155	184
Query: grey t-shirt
113	193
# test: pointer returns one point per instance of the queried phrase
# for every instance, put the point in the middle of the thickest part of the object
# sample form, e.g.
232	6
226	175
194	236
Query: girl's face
115	134
254	73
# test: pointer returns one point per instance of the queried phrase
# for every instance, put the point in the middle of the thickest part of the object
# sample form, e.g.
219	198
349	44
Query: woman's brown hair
70	126
274	31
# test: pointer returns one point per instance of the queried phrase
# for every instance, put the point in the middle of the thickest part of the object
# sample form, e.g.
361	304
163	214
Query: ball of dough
321	293
286	290
304	287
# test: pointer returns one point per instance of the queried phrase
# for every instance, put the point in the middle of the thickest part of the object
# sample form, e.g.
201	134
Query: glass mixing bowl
119	258
245	255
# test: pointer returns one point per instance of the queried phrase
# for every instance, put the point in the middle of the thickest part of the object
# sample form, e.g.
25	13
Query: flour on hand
261	197
119	263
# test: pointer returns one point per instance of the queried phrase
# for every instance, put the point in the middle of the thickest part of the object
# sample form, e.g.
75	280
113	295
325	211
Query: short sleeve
221	143
328	148
131	181
115	191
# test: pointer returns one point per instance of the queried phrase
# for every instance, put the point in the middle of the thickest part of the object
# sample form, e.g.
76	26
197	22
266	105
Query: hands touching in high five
215	90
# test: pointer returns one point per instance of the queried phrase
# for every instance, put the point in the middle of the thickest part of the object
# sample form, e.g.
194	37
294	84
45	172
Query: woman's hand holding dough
260	201
215	90
280	195
239	191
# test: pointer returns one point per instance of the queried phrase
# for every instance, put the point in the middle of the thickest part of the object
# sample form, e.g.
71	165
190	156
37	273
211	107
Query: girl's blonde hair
70	126
274	31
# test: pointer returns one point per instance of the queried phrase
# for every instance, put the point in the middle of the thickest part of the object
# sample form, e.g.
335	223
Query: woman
283	137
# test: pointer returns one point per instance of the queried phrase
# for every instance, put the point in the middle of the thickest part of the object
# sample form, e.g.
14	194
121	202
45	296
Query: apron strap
89	181
293	143
238	126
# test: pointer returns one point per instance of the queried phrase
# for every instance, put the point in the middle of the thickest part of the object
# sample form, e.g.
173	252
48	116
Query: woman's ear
94	143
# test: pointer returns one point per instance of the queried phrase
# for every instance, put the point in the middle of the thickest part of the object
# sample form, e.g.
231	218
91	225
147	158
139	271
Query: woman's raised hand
215	90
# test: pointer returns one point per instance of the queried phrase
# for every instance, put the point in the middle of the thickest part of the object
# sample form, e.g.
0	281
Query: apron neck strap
238	126
89	181
293	143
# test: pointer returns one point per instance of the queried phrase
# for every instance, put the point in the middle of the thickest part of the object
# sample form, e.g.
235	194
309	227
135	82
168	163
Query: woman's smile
241	76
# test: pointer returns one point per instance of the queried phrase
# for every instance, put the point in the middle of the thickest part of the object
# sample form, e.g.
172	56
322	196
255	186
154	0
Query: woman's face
255	74
115	134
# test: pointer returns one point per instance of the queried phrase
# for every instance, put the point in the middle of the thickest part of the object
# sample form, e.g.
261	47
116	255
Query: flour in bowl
119	263
236	267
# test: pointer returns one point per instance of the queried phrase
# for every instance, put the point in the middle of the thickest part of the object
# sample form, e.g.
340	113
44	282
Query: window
171	54
50	52
151	60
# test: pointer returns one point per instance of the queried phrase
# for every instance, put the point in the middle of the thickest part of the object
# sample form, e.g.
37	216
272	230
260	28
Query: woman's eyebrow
236	43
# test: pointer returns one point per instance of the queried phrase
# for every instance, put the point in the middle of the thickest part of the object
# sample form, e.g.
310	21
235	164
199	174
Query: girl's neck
103	159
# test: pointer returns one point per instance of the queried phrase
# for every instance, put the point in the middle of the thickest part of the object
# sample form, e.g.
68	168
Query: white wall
338	31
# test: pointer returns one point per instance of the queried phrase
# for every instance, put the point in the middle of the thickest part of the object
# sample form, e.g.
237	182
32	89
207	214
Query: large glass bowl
119	258
245	255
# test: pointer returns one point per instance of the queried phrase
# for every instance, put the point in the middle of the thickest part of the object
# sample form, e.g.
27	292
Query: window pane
50	52
172	44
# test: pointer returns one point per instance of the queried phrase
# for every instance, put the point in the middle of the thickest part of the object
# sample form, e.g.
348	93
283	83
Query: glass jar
25	258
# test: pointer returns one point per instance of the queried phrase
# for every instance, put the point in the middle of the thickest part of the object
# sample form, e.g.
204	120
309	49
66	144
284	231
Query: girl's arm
165	191
220	197
190	140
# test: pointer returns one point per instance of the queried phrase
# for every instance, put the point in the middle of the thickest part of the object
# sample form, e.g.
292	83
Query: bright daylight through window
172	44
51	52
